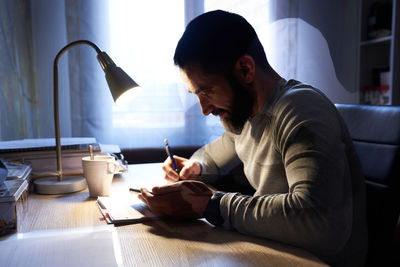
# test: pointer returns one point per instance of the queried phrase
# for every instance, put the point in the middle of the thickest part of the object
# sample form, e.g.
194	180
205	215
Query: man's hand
182	200
189	170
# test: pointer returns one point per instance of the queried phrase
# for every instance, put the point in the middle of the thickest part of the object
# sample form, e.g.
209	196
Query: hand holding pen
171	156
177	168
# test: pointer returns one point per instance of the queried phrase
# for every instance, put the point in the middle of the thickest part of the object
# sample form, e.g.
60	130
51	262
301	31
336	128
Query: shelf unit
378	55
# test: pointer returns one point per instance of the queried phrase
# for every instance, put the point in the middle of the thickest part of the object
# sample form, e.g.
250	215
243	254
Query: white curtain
84	101
91	101
17	96
32	33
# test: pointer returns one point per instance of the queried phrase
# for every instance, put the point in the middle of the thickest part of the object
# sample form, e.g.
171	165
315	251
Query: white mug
99	173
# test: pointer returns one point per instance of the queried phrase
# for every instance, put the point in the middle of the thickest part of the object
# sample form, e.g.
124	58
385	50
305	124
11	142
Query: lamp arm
55	95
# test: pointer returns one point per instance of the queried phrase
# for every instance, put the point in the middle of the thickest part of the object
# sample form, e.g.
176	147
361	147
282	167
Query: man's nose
206	107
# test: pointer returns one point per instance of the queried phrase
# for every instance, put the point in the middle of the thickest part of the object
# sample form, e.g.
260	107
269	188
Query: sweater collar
275	95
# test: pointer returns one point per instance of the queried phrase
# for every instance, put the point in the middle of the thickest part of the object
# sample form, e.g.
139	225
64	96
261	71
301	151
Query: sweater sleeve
316	212
217	158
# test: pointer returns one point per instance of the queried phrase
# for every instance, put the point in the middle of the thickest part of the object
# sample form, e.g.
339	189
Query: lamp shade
118	81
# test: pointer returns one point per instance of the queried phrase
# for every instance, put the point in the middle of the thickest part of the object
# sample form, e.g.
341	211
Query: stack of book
13	196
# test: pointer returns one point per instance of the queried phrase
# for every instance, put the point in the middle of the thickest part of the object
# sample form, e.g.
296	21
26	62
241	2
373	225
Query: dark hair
215	40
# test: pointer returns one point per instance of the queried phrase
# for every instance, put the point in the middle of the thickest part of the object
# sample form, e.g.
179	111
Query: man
294	146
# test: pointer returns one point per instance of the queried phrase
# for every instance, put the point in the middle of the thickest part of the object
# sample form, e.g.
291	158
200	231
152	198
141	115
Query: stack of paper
124	210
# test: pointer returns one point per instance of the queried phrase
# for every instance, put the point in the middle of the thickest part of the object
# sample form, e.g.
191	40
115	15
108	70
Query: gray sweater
298	156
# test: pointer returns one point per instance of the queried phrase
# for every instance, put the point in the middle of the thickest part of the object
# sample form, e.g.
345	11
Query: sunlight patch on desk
86	246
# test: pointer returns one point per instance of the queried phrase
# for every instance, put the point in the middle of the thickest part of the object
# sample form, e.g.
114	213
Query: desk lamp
118	82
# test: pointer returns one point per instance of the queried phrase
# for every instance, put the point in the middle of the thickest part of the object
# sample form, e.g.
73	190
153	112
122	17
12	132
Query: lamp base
51	185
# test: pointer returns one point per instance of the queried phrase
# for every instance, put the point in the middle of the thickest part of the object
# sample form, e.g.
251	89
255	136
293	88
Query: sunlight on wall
297	50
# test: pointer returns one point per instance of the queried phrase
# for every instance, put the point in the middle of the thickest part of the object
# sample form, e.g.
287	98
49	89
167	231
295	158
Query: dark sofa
375	131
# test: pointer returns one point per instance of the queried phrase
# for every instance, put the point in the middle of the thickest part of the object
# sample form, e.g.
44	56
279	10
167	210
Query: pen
134	190
171	156
138	190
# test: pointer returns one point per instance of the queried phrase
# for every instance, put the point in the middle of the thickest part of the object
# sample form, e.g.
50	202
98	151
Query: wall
338	21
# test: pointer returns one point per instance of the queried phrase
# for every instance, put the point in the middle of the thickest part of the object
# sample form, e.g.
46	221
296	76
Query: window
143	37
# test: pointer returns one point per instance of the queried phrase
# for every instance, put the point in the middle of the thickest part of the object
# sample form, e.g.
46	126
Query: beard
241	107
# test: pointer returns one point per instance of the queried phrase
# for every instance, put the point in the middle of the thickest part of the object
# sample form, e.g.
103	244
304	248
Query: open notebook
124	210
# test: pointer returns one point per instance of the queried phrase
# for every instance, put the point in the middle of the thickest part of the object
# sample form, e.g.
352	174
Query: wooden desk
161	243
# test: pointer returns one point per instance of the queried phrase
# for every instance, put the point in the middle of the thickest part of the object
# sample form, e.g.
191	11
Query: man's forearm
288	218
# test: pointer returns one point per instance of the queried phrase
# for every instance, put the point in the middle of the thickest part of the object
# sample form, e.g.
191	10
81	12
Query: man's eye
204	93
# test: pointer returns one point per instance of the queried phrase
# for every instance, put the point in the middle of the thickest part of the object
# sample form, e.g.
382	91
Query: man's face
220	96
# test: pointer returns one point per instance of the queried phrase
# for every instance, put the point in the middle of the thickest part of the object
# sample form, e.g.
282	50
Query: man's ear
245	69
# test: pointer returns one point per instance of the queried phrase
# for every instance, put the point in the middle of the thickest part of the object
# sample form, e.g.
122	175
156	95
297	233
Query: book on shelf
124	210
